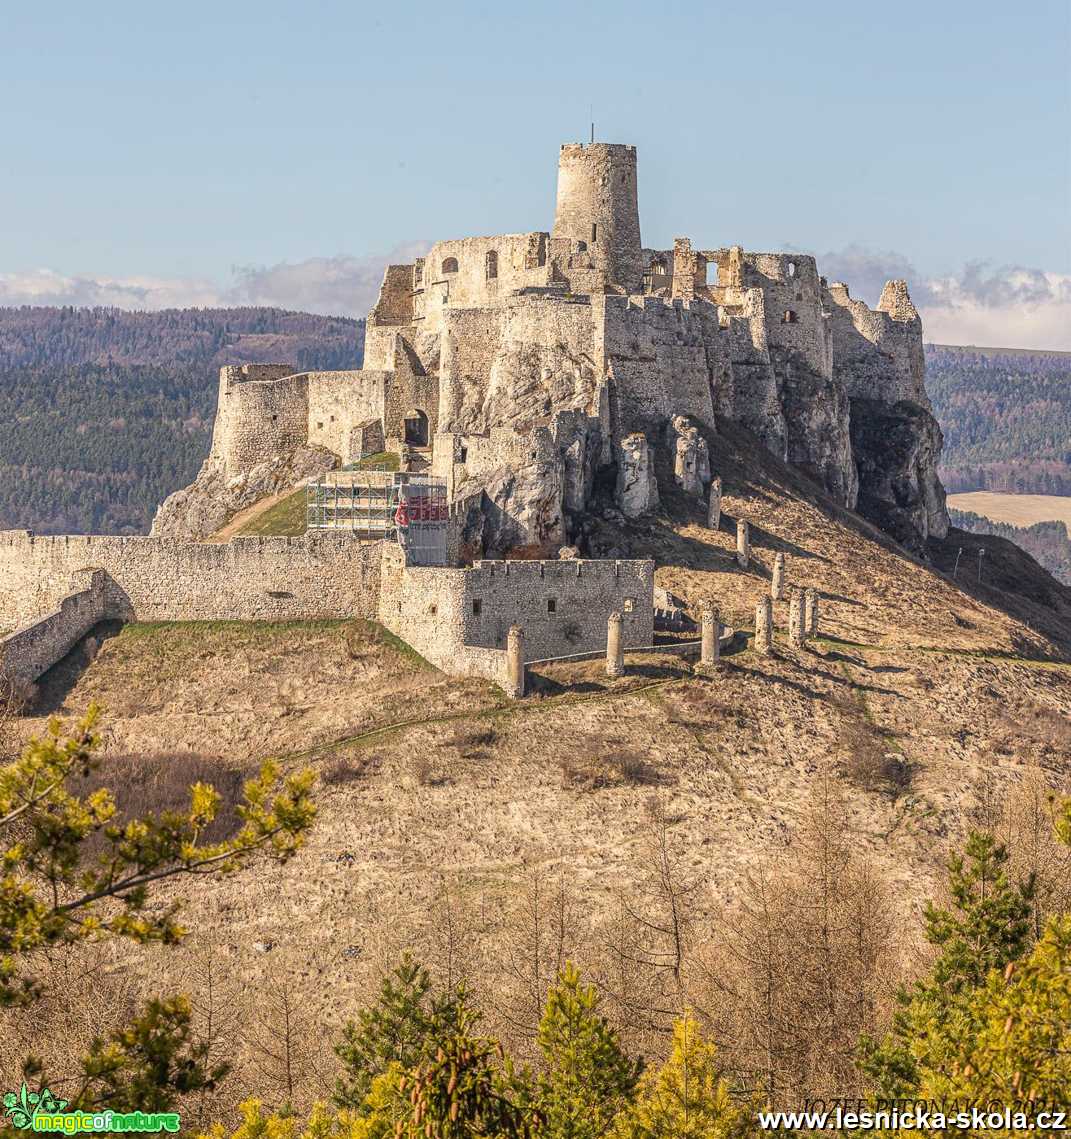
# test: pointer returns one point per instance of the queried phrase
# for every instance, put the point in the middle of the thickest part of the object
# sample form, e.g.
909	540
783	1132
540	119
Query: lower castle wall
458	619
27	653
160	579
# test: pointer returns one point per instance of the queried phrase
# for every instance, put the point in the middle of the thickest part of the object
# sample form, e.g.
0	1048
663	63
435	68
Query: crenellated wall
456	617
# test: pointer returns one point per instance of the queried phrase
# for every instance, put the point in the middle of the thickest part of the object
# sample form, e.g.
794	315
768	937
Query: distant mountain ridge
33	337
1006	418
104	412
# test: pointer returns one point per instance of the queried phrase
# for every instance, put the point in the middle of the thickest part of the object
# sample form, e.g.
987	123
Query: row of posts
802	619
709	649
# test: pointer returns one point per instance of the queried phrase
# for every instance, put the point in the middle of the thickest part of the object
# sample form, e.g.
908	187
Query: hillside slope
467	825
104	413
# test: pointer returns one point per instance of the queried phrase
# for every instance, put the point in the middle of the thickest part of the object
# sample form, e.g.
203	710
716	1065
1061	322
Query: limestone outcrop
637	487
209	502
691	458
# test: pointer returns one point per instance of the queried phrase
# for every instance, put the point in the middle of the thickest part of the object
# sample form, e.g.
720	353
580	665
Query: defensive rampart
29	651
160	579
459	618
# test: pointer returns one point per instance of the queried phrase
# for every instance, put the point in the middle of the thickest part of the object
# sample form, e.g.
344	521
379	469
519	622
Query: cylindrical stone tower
709	649
764	625
597	205
743	544
777	581
615	647
515	670
714	505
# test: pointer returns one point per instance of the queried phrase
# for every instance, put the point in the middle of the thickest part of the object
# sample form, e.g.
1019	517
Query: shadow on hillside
55	685
1007	578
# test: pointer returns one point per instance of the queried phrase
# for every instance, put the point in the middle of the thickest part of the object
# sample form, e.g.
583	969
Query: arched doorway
416	428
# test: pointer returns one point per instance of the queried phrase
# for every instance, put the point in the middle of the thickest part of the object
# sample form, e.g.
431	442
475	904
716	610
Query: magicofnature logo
42	1111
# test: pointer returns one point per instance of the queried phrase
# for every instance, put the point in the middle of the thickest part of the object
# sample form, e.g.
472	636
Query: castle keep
541	377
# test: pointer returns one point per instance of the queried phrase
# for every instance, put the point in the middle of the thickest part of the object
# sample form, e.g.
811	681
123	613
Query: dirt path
226	533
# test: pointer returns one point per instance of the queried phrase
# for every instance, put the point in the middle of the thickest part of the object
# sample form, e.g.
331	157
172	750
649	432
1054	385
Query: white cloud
1004	307
340	286
336	286
1008	307
45	287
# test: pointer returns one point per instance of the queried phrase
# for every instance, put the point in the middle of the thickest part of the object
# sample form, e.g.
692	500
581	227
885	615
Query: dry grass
586	772
1015	509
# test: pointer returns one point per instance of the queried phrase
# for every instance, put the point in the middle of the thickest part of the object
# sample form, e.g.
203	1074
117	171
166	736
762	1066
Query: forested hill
1006	418
103	413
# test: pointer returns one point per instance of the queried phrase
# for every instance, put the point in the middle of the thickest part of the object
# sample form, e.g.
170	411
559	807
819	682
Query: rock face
208	503
896	449
637	488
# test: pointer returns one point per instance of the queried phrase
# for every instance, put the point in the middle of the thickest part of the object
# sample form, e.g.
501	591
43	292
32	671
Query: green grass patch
286	519
381	460
251	629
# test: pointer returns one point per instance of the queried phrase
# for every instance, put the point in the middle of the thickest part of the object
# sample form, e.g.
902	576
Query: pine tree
396	1029
987	928
589	1078
688	1097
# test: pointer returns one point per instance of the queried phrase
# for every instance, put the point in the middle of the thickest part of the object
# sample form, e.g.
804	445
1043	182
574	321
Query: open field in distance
1015	509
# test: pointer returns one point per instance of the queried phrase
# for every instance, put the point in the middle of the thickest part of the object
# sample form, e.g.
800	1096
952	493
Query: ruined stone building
531	368
539	376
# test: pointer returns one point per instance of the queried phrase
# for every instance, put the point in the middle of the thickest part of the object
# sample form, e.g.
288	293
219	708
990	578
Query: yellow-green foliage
688	1097
53	893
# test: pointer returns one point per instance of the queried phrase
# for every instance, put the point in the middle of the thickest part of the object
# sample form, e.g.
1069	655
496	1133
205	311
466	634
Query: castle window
274	418
463	455
594	232
582	246
450	265
492	265
552	605
792	268
433	609
789	317
477	606
629	605
320	426
712	274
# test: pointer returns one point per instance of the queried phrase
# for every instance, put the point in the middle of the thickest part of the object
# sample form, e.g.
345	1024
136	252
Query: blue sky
278	152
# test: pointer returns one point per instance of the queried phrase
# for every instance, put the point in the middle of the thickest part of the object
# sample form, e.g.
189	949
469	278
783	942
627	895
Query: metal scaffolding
410	508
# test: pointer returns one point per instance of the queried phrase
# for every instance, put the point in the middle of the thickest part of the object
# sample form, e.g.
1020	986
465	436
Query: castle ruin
540	377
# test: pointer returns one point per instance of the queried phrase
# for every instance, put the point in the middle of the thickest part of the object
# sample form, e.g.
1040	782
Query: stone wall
160	579
263	411
666	359
338	404
31	650
561	605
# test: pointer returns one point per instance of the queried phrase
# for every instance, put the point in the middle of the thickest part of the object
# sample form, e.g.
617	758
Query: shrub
362	638
152	782
471	739
349	769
